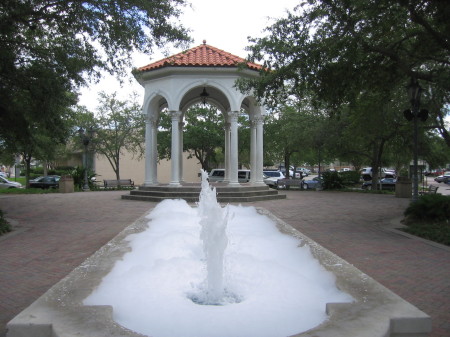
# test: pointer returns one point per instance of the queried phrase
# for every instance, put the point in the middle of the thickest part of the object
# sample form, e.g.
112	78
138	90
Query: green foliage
434	231
297	134
35	172
203	135
78	178
51	48
430	207
342	50
350	178
28	190
429	217
332	181
5	227
118	125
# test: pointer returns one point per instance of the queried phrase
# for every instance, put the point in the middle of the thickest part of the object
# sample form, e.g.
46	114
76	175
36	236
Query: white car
305	172
218	175
271	178
385	173
5	183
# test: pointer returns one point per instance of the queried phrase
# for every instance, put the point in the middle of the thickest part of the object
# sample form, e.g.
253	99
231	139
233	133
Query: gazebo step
183	194
227	199
246	193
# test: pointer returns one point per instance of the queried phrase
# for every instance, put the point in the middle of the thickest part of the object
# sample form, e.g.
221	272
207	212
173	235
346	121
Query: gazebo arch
176	83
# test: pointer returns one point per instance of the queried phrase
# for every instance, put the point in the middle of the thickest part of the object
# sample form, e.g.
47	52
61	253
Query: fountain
213	271
213	221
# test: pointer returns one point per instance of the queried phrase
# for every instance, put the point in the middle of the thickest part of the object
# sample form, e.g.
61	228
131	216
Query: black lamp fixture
414	91
204	96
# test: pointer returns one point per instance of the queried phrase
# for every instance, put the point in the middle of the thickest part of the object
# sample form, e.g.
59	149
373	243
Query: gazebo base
190	192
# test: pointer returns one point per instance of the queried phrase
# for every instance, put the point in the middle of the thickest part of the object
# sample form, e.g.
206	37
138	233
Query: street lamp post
86	140
414	92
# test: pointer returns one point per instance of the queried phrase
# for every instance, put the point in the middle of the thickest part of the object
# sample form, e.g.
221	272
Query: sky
223	24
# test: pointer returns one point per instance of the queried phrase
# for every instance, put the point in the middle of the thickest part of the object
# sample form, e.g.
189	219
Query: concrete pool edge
376	312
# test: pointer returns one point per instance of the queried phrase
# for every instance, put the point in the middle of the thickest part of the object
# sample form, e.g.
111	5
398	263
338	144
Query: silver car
271	178
5	183
445	178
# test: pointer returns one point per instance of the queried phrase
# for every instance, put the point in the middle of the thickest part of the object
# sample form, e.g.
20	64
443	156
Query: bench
117	183
431	190
287	183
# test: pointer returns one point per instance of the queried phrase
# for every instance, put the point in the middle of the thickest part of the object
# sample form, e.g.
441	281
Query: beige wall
134	169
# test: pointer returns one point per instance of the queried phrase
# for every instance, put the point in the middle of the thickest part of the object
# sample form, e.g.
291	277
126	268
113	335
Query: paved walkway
55	232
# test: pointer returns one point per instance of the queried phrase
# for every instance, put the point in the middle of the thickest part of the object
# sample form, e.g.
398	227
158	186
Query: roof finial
204	41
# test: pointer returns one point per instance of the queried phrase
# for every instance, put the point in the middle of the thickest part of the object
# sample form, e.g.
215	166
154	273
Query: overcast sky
223	24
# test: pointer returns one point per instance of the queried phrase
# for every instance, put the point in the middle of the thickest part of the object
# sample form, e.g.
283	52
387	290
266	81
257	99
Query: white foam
281	287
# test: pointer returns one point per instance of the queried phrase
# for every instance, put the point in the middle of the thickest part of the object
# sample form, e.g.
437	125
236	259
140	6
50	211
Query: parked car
271	178
5	183
45	182
386	184
385	173
313	183
218	175
304	171
445	178
298	174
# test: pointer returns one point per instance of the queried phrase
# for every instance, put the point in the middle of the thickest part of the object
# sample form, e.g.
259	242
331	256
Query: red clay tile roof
201	56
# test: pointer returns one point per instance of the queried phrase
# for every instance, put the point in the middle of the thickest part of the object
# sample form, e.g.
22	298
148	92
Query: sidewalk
54	233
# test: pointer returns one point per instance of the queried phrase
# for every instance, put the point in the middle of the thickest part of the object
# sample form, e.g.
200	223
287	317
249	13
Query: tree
366	128
203	135
292	133
119	126
337	49
29	133
52	47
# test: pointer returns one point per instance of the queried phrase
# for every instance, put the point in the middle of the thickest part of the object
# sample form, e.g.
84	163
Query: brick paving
54	233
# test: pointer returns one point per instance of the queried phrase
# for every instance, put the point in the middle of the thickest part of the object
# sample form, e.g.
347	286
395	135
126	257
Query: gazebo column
175	150
227	153
252	151
259	151
151	154
181	125
233	149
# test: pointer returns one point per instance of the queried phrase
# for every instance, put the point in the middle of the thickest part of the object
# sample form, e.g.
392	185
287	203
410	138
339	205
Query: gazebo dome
203	55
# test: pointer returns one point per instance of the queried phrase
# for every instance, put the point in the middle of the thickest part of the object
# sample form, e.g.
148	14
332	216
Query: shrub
429	218
5	227
350	178
78	177
430	207
332	181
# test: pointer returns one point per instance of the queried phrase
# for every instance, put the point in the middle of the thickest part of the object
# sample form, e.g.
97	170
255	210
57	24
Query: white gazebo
177	82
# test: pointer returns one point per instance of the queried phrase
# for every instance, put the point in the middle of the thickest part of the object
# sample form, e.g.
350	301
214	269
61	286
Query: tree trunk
287	158
117	170
27	173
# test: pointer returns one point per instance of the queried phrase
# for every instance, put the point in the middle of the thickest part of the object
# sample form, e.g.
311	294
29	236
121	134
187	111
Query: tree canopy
338	49
50	48
117	126
352	59
203	135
